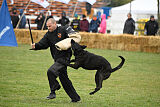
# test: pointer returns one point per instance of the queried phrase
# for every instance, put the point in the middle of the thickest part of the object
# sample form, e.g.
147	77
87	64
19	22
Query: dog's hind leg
98	79
106	76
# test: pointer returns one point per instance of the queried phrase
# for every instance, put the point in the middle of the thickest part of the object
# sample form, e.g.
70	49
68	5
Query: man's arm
146	26
69	30
133	23
157	27
42	44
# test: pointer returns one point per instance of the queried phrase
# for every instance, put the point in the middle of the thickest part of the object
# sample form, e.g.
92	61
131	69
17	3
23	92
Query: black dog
91	61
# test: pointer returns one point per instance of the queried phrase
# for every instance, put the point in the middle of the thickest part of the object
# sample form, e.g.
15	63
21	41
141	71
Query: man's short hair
84	16
151	16
52	20
129	14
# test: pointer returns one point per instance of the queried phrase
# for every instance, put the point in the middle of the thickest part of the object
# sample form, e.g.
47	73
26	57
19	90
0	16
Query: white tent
139	9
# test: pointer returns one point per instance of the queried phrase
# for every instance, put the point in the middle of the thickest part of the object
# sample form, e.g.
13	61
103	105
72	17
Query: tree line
115	3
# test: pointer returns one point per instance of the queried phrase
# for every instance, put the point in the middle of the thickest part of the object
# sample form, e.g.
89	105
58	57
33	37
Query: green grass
24	83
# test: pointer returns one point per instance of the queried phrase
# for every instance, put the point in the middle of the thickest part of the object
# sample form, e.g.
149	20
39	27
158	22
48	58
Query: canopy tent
139	9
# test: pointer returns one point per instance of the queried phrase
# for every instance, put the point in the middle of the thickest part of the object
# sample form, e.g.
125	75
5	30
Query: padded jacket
51	38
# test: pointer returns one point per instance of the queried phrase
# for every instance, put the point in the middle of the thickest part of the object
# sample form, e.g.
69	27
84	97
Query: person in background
75	24
63	20
103	24
84	24
94	24
129	26
49	15
40	20
22	23
151	27
14	17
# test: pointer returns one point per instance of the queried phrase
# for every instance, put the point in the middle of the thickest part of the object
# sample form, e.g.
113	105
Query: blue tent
7	35
106	10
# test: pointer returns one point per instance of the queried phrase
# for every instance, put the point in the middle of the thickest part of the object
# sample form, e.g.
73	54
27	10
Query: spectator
94	24
75	23
129	26
14	17
103	24
40	20
84	24
151	26
49	15
64	20
22	23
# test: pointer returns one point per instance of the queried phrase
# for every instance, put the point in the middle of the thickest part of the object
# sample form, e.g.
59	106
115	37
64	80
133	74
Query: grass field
24	83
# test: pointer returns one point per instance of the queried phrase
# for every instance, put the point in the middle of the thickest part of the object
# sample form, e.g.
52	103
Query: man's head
129	15
76	16
63	14
94	17
84	16
51	24
14	10
152	18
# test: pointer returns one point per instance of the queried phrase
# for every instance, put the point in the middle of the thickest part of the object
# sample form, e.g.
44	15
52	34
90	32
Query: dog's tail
120	65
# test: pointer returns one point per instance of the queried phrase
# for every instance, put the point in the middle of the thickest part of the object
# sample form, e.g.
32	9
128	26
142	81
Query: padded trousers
60	70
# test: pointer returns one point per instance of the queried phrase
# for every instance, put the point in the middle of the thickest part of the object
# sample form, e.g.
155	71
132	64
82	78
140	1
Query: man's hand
33	46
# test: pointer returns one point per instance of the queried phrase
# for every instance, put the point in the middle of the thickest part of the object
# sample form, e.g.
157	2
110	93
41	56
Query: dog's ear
72	41
83	46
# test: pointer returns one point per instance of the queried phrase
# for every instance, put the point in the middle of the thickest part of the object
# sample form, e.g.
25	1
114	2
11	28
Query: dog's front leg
75	65
73	60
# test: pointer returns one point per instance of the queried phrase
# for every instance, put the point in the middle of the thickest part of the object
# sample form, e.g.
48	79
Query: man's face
14	11
129	16
152	19
51	26
40	16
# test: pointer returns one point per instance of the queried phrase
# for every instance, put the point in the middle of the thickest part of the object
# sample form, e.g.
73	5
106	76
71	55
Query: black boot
75	101
52	95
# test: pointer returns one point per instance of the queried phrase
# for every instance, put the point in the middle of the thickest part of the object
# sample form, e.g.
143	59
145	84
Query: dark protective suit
57	69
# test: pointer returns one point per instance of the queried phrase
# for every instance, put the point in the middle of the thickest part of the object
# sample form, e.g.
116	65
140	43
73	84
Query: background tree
115	3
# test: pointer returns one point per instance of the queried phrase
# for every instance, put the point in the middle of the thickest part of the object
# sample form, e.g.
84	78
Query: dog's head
77	48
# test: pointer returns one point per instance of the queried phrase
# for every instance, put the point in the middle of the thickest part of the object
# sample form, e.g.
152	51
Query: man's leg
53	83
67	85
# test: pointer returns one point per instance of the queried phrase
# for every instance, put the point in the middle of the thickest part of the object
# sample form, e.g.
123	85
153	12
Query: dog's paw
91	93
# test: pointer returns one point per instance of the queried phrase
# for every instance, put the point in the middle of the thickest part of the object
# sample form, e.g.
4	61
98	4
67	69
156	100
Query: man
75	23
151	26
14	17
64	20
129	26
84	24
22	23
54	35
39	21
94	24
